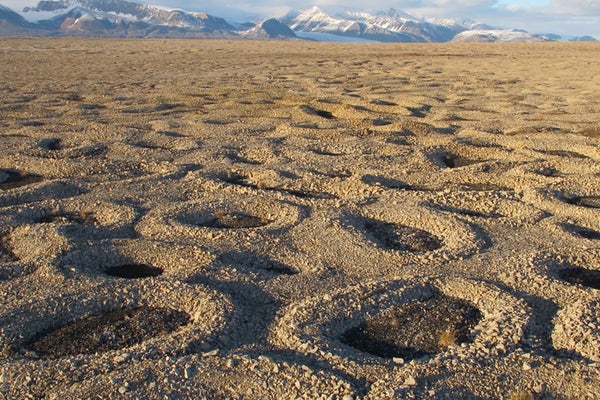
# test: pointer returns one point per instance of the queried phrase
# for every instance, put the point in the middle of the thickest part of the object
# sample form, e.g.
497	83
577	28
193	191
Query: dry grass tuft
521	395
448	337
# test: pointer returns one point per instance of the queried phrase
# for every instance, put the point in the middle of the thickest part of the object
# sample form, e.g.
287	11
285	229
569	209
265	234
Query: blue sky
564	17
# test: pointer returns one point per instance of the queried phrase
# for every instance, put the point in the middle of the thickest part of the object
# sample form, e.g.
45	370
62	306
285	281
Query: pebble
211	353
526	366
410	381
190	371
121	358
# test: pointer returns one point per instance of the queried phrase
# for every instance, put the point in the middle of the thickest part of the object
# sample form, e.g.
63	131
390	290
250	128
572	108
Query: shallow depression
10	179
415	330
133	271
583	201
110	331
581	276
400	237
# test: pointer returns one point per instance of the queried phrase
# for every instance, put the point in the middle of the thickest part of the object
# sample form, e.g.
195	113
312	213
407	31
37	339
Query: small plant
219	214
448	337
521	395
87	216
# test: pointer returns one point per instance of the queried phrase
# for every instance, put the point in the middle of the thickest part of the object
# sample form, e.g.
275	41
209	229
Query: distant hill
584	39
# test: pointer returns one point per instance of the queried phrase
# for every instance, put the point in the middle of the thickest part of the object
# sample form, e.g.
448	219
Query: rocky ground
264	220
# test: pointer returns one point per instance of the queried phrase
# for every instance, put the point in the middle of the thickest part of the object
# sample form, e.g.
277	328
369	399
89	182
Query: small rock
348	397
190	371
410	381
121	358
398	360
541	388
211	353
526	366
230	363
122	389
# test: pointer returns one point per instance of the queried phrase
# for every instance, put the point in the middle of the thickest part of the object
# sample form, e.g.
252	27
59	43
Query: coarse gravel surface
217	219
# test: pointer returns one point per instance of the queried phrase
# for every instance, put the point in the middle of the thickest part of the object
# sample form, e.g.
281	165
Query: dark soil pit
580	231
307	194
237	179
419	112
83	218
549	172
51	144
255	262
415	330
111	331
583	201
326	153
563	153
455	161
480	143
133	271
467	212
383	103
581	276
400	237
148	145
484	187
388	183
382	122
221	220
315	111
10	179
6	253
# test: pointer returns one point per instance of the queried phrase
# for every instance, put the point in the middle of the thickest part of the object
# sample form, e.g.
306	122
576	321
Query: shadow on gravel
388	183
581	276
255	262
582	201
582	232
11	179
254	311
391	236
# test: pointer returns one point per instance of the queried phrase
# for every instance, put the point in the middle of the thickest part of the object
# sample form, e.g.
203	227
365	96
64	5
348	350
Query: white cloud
576	7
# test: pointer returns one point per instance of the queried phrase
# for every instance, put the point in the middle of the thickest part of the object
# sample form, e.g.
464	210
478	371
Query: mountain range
120	18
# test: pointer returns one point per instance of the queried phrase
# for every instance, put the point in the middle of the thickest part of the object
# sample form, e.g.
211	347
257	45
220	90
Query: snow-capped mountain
121	10
499	35
388	26
359	25
269	29
121	18
9	17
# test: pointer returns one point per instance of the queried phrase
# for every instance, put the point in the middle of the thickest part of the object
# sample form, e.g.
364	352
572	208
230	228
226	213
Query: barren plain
266	220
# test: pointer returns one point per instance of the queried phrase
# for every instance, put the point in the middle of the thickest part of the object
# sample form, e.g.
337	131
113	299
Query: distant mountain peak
394	13
270	29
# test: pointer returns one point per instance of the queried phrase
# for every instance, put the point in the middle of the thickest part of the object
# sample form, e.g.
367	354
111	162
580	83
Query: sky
564	17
